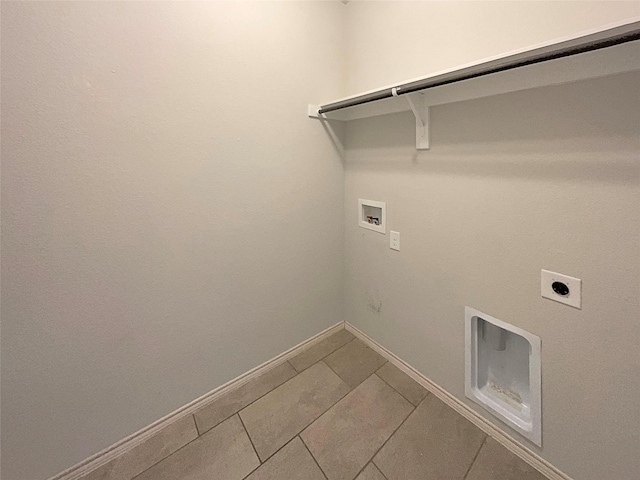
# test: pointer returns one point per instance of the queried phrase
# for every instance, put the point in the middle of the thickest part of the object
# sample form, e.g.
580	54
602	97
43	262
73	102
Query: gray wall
547	178
170	218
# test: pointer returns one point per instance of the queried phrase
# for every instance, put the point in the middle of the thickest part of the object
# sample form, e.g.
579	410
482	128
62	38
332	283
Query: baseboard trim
494	432
123	446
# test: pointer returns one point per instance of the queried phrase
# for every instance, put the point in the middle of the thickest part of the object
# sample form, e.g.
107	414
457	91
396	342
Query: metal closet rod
481	70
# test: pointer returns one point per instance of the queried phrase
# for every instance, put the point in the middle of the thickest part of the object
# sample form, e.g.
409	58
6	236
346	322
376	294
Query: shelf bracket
312	112
421	112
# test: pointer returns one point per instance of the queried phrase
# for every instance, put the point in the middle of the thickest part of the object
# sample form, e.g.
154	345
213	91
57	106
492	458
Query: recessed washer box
371	215
502	372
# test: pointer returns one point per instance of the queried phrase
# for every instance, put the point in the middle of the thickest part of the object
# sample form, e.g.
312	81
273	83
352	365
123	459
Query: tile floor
337	411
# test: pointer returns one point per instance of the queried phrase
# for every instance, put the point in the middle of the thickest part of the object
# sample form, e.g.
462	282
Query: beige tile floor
337	411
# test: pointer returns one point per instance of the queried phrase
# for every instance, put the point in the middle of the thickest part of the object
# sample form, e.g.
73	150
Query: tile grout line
371	459
198	437
94	462
314	458
248	404
322	359
199	434
262	463
371	462
359	383
299	434
372	373
398	391
294	368
329	367
413	409
247	432
329	408
250	440
462	406
475	456
394	432
305	427
378	469
267	393
193	415
173	453
325	356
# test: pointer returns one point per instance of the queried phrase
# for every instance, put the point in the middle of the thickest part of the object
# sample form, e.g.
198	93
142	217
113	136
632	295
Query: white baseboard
123	446
483	424
108	454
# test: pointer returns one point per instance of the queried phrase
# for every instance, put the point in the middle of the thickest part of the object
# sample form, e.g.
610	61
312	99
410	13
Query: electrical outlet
561	288
394	240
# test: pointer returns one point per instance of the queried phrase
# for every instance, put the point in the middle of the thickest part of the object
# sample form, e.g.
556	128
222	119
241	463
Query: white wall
170	217
547	178
392	41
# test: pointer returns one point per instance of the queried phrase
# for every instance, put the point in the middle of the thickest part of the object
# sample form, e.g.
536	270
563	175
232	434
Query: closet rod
630	32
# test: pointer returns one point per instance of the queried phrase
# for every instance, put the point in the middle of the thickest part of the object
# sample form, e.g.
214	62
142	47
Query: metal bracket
421	112
312	112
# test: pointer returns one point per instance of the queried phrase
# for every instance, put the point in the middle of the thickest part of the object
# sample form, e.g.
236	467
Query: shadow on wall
535	128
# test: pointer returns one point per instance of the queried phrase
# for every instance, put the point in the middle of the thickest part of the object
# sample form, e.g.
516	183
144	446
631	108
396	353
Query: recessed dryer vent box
371	215
502	372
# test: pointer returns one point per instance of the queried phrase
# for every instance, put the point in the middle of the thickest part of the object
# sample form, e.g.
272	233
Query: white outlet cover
573	298
394	240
